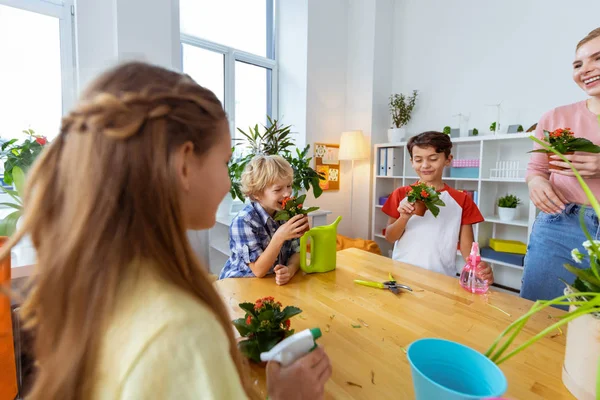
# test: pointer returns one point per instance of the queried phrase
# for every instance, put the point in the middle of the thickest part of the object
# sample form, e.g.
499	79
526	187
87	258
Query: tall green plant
270	140
21	155
401	107
8	225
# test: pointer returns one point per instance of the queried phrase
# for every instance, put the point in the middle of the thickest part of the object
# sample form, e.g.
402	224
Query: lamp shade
352	146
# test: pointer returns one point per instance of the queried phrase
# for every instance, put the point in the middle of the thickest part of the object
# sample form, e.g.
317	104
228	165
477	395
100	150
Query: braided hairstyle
100	199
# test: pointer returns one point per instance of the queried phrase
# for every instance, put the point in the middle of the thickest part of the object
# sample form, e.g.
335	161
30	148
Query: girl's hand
485	272
283	274
292	229
587	164
405	208
545	197
304	379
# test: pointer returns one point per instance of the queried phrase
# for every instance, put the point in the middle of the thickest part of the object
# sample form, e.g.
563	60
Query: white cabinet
503	161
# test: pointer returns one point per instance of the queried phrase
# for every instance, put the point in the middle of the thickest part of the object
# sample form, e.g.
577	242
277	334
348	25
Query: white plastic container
294	347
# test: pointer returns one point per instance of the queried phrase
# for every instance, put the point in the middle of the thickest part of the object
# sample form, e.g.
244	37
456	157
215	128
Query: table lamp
352	147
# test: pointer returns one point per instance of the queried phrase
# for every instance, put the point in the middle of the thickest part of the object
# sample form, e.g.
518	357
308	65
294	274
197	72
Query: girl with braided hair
120	306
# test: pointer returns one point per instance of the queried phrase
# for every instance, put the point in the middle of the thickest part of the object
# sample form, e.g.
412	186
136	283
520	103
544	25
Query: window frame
65	12
232	55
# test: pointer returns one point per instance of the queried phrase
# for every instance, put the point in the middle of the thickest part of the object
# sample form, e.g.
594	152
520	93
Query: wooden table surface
438	307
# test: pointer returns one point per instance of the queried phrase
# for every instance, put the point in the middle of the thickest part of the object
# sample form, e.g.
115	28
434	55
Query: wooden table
438	307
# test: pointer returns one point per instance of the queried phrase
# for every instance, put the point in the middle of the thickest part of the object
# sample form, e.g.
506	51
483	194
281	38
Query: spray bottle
469	278
294	347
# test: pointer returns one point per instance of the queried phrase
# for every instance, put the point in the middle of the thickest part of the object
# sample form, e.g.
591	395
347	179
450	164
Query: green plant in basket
264	325
509	201
422	192
293	206
583	293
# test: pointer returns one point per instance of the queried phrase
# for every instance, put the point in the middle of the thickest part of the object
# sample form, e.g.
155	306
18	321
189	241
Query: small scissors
391	285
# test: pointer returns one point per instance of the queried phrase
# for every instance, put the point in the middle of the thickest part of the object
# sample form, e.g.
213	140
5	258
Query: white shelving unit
489	149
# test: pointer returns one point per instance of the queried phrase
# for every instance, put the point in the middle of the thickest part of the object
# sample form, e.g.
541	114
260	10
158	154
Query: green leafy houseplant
584	293
401	107
22	154
8	224
563	140
475	132
293	206
447	130
270	140
520	128
493	127
264	325
428	195
509	201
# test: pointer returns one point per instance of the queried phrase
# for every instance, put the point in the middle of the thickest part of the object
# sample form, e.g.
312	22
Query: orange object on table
8	370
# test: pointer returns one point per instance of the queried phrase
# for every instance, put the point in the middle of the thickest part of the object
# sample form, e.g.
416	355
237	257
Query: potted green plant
18	156
507	207
493	127
474	132
520	128
581	369
401	108
292	206
425	198
264	325
447	130
273	139
563	140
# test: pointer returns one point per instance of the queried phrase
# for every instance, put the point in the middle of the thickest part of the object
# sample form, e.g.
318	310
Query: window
36	72
228	47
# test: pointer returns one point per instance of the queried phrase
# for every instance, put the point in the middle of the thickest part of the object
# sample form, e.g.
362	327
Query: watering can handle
303	244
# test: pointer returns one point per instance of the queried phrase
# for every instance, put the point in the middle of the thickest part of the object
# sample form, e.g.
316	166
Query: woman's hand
304	379
587	164
545	197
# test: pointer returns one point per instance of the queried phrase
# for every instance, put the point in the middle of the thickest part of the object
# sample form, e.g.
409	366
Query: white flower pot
396	135
507	214
582	355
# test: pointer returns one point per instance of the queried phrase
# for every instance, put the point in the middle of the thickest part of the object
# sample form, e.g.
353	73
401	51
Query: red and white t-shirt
429	242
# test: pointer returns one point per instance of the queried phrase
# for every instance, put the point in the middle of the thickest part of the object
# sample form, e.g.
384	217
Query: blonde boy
260	245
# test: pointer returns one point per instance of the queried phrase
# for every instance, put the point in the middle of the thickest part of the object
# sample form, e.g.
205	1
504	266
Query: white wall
464	54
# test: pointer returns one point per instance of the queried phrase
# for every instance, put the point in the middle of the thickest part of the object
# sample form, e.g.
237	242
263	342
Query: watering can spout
337	221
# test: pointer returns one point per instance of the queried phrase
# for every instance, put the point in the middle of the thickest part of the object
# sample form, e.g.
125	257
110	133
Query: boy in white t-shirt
429	242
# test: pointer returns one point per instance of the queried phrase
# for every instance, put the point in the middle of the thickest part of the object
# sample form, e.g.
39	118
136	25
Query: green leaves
293	206
401	108
428	195
509	201
564	141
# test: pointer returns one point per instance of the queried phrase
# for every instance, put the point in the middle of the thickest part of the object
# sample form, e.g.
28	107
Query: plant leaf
240	325
282	216
13	205
19	179
586	275
249	308
311	209
249	348
266	315
8	225
290	311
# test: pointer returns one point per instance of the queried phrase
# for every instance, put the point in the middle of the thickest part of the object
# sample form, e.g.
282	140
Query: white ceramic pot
582	355
396	135
507	214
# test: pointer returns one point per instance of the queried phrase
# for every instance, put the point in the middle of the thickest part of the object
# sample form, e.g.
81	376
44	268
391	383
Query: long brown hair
100	198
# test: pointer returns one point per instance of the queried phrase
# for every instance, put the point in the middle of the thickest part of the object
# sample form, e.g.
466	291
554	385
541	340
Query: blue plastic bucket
447	370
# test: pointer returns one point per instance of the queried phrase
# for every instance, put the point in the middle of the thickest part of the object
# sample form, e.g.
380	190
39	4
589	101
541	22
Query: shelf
514	222
378	206
484	137
380	236
449	178
389	177
492	261
516	180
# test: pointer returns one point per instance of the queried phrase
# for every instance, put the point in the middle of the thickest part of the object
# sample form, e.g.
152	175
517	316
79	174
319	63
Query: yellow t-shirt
161	343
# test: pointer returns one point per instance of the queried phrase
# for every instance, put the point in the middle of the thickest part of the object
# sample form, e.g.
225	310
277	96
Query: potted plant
401	107
493	127
425	198
264	325
18	158
520	128
507	207
563	140
293	206
273	139
474	132
581	369
447	130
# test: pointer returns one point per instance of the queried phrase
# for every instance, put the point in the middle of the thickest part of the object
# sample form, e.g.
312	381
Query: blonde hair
101	197
263	171
589	37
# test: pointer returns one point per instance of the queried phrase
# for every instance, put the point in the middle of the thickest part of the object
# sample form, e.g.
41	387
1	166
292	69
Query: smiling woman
555	191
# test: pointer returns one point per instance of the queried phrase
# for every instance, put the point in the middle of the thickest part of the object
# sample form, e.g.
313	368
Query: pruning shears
391	284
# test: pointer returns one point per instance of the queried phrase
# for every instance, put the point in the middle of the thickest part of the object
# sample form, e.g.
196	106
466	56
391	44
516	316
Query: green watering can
323	241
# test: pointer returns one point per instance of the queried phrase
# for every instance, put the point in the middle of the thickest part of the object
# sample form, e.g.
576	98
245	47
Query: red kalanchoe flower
286	324
278	304
258	305
249	320
424	193
41	140
300	206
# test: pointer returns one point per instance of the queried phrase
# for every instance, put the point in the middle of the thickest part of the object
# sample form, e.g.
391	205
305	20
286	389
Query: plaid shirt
250	233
